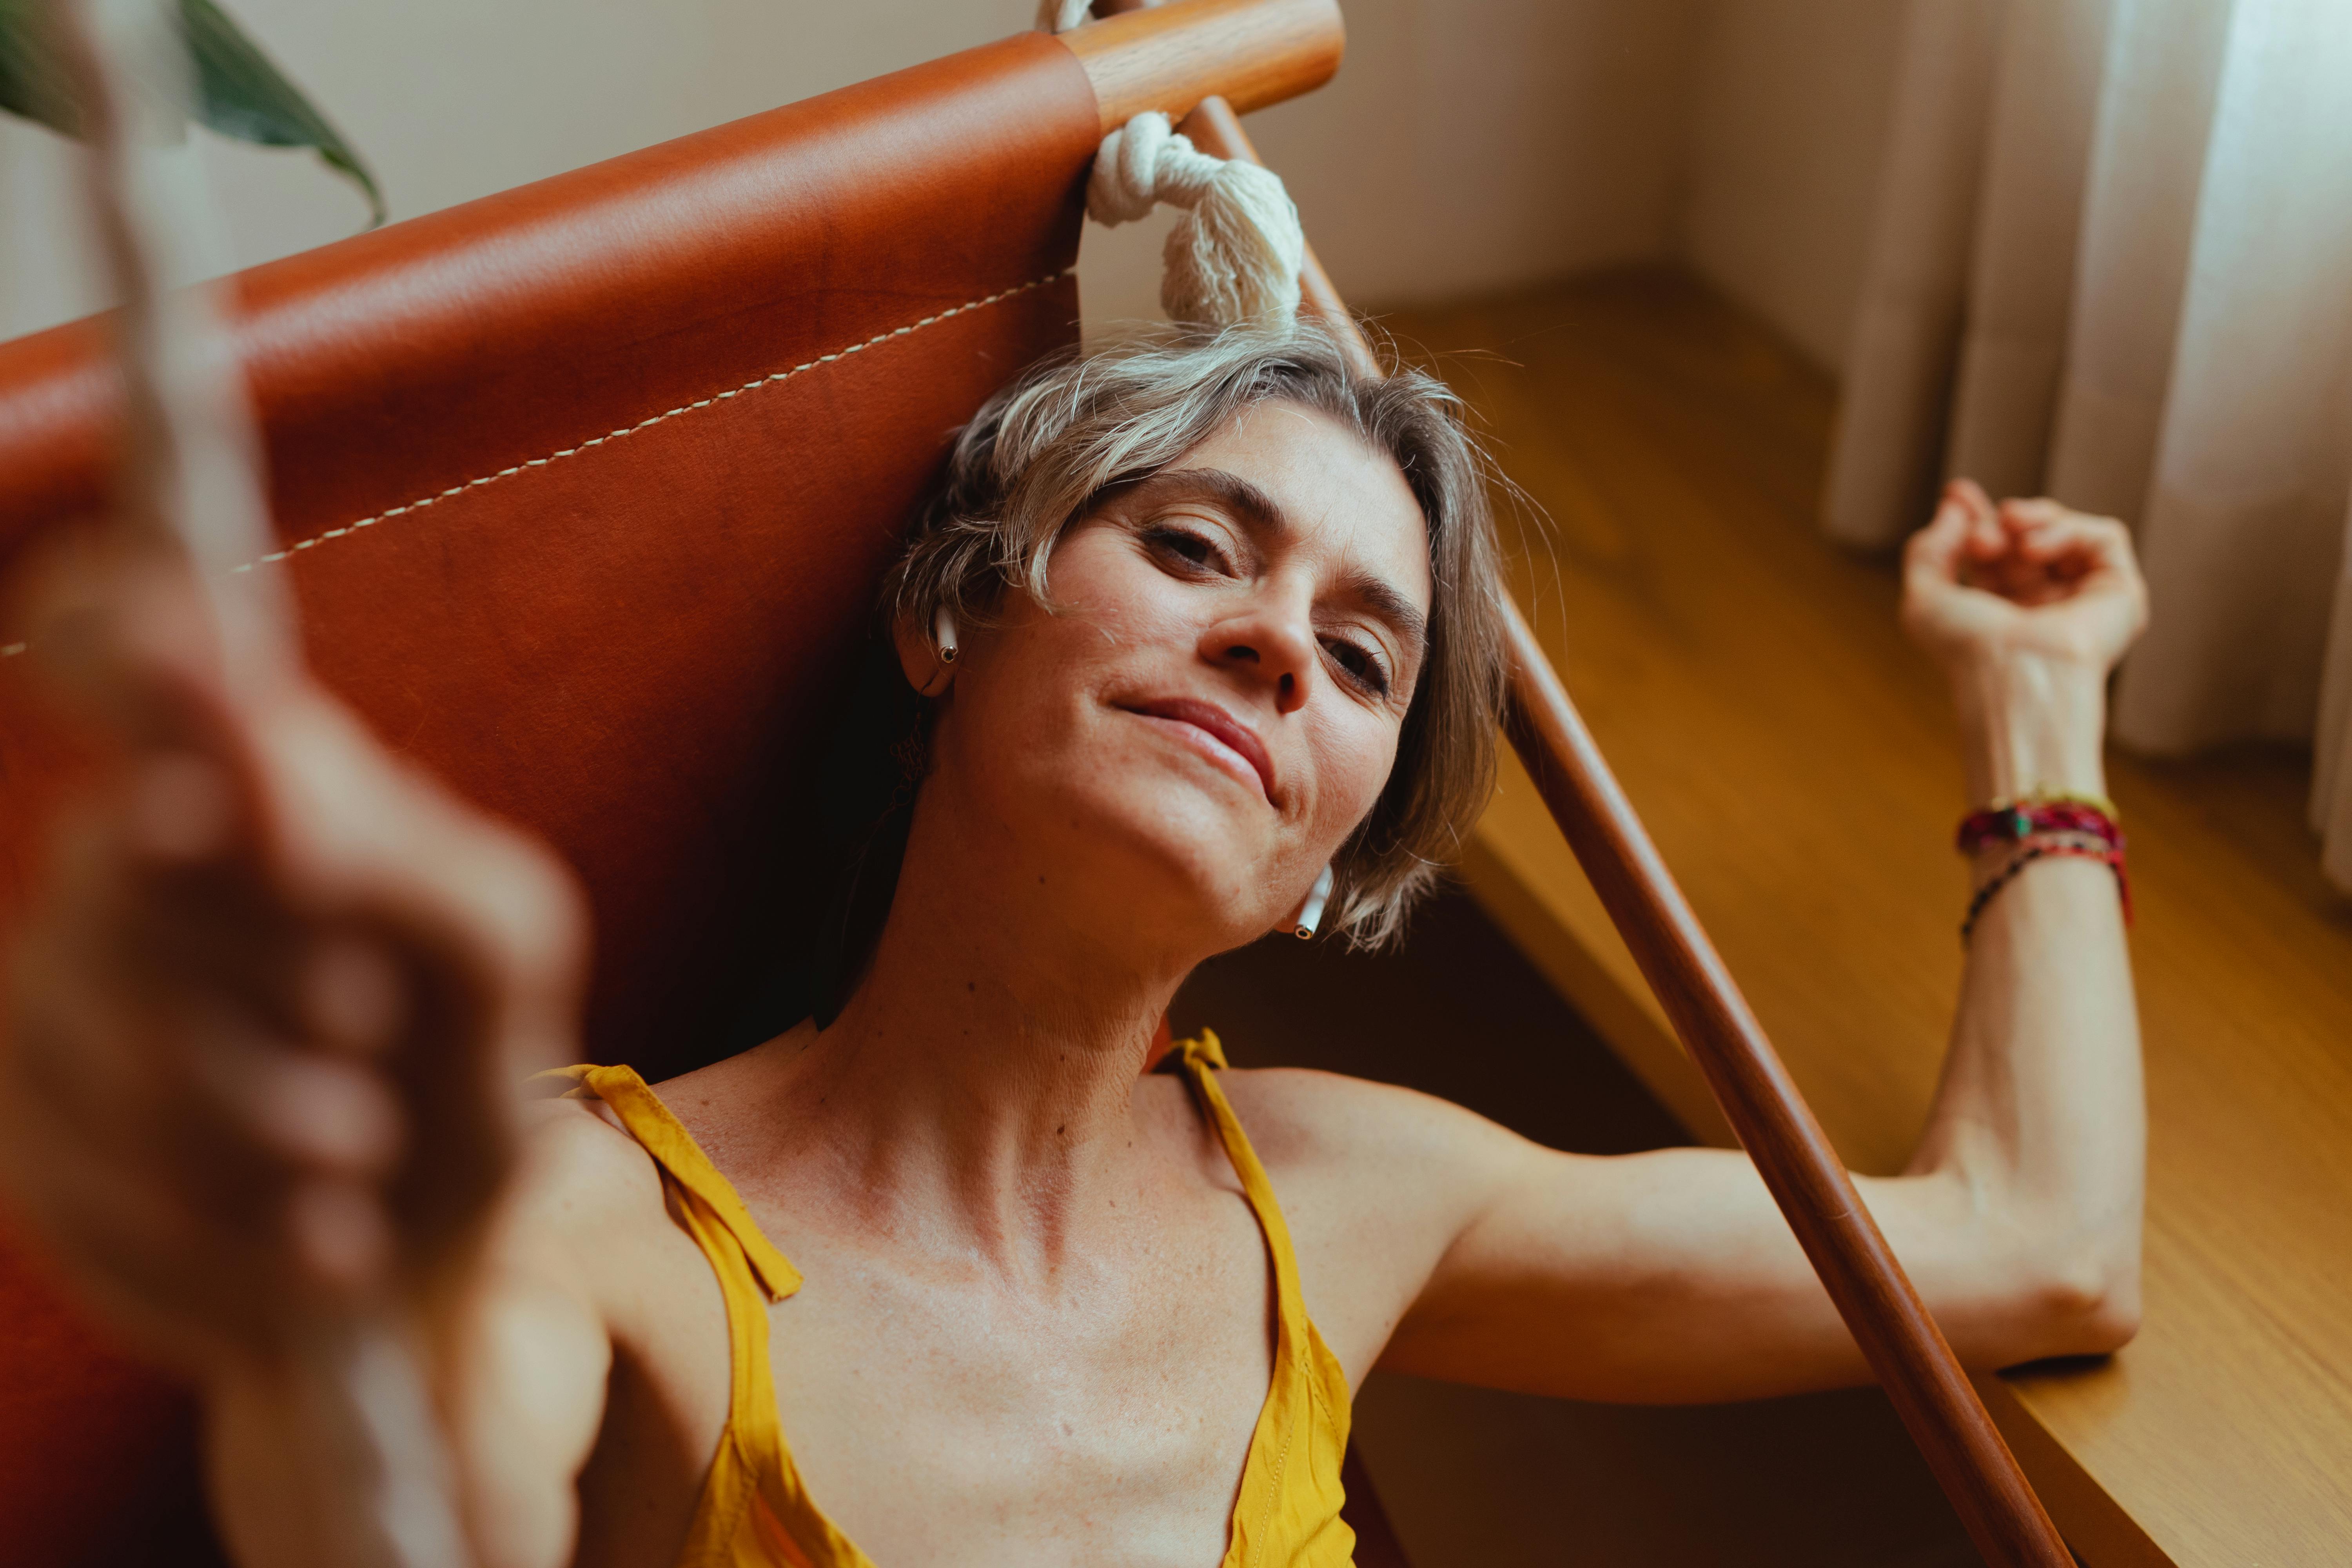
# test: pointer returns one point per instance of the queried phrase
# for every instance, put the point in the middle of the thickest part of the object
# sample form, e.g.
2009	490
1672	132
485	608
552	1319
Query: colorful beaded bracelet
2014	822
2043	847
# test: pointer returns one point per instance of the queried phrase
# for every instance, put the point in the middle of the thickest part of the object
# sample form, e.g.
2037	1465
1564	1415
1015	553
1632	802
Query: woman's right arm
262	1038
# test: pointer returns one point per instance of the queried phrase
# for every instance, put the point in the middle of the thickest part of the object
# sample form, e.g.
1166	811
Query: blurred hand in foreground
264	1030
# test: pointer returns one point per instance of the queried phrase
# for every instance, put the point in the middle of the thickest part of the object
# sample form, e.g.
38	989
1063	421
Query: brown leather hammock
584	490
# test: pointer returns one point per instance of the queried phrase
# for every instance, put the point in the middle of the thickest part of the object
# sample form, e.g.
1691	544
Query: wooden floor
1795	760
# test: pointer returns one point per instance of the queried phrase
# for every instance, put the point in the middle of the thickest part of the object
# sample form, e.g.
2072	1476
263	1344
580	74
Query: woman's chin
1173	865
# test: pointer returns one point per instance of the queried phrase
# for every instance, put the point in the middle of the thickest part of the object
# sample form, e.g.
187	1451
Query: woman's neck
978	1089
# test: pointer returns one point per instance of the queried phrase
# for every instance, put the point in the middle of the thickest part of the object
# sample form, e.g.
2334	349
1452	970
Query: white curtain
2112	262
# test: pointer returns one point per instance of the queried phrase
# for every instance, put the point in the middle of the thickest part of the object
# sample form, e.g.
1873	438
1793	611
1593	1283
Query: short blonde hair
1041	454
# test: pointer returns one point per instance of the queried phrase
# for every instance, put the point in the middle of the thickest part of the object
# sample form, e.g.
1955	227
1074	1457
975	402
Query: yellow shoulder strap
1288	1509
754	1485
665	1137
1203	1056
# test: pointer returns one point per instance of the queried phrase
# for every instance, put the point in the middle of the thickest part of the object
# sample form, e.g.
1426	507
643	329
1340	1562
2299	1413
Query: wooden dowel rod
1898	1335
1171	57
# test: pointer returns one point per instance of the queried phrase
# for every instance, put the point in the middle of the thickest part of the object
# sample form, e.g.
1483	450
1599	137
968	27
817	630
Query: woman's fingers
199	1095
314	1114
2041	541
2041	525
180	1289
1984	538
340	1233
2083	560
1995	563
1938	611
181	808
192	1288
350	996
203	1183
2048	532
1932	555
146	1015
2044	531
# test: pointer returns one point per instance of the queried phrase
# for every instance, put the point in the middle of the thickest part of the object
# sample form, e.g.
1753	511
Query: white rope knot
1144	162
1234	256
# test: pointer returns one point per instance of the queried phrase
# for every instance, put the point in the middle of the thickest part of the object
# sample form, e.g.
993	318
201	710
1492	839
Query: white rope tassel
1234	256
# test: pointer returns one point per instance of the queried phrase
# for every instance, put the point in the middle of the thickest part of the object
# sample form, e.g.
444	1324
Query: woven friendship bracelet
2045	847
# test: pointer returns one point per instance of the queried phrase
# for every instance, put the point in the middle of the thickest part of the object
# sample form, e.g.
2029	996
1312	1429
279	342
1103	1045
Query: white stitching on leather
11	649
878	338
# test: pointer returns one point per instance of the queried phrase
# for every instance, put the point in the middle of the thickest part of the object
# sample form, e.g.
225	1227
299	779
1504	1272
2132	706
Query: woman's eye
1361	664
1193	549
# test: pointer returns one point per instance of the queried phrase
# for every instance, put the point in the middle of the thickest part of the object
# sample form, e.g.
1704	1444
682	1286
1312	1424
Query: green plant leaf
31	78
238	93
241	94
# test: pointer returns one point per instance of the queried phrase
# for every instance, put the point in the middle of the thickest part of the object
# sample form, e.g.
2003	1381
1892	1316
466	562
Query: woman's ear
926	655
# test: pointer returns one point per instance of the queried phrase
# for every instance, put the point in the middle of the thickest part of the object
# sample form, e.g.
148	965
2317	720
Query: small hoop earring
943	634
1311	913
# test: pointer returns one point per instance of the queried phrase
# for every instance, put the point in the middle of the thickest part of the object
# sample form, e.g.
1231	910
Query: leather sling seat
583	490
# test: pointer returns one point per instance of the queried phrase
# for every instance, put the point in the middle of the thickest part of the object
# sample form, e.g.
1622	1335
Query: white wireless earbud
1311	913
943	634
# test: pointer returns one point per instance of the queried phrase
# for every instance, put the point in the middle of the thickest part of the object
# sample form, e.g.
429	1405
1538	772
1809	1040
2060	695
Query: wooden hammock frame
1207	59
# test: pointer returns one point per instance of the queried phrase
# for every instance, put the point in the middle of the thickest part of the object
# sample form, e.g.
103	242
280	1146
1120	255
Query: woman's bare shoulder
1375	1182
591	1214
583	1180
581	1158
1307	1118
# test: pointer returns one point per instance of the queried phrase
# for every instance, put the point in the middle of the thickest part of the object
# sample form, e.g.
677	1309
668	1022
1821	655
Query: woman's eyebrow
1250	506
1404	617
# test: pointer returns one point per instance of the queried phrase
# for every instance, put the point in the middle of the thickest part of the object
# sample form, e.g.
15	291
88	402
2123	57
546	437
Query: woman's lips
1216	734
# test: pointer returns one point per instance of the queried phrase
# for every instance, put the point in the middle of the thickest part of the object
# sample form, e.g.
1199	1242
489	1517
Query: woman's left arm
2038	1127
1671	1276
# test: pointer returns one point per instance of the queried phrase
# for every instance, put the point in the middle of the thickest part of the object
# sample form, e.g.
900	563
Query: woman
1193	624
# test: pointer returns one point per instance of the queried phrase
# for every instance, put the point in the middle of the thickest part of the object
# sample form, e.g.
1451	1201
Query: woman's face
1214	703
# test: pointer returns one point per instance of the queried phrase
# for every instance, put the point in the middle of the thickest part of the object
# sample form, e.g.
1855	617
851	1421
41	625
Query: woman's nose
1271	644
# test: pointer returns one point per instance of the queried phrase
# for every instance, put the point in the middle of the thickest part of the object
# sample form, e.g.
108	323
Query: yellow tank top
755	1512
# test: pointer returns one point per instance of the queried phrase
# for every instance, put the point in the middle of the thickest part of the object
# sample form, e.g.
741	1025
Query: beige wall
1464	148
1788	109
1446	158
1457	151
448	100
